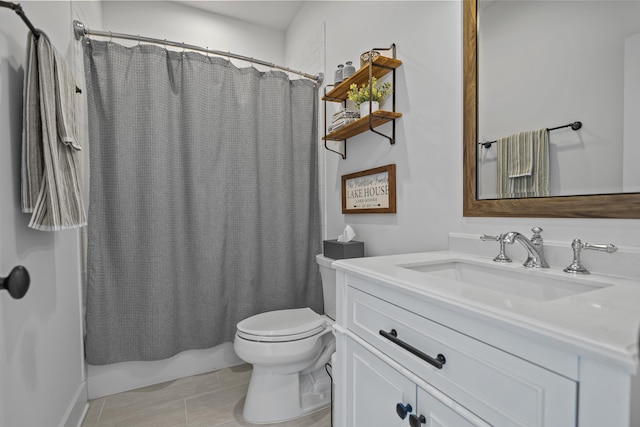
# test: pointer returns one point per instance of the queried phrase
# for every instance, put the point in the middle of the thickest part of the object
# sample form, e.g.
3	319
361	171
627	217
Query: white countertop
604	321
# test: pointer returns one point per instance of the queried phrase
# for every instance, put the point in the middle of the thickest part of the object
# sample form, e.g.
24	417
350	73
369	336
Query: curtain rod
17	8
80	31
574	126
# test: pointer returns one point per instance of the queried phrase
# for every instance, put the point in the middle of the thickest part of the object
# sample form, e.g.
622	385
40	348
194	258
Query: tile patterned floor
207	400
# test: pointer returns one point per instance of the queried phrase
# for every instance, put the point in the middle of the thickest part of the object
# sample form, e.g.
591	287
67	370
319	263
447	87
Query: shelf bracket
343	155
392	138
392	48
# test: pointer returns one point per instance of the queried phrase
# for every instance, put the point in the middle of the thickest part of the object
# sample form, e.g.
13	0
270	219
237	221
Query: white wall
180	23
429	134
41	357
428	153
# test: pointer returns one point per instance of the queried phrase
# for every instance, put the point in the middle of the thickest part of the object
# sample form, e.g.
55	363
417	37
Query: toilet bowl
288	350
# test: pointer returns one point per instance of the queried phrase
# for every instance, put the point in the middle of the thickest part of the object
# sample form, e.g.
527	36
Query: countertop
605	321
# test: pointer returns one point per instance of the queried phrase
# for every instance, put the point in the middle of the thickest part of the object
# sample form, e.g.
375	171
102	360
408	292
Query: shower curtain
203	199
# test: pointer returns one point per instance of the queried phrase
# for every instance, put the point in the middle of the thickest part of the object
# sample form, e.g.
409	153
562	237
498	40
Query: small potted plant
360	96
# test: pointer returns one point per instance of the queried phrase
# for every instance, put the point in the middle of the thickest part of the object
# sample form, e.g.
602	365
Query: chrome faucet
534	247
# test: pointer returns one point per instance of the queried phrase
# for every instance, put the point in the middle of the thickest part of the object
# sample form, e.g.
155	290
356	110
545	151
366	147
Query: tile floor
211	399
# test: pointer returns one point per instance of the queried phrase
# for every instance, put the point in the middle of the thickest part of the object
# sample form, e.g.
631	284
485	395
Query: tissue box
341	250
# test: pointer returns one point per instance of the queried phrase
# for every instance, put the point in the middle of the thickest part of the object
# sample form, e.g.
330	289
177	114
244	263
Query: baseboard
77	409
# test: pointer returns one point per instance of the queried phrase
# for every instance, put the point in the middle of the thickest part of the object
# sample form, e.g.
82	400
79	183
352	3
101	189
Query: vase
364	108
337	76
348	70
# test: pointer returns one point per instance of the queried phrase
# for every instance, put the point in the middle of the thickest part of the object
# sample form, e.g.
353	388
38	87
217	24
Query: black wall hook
17	282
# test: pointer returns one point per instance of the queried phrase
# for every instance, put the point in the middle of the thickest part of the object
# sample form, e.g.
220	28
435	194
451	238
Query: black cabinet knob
403	410
415	421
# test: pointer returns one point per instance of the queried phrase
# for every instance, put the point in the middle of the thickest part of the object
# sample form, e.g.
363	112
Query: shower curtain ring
138	39
110	37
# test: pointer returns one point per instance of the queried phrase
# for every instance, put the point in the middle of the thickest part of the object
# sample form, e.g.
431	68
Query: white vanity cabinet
457	366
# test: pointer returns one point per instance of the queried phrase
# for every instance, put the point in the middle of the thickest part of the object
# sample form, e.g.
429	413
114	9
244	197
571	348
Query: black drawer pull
393	337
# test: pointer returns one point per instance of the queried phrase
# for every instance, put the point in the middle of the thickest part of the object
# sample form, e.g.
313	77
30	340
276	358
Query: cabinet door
436	414
374	389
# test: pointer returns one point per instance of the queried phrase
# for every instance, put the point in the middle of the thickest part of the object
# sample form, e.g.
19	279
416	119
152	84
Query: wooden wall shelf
361	125
382	66
378	67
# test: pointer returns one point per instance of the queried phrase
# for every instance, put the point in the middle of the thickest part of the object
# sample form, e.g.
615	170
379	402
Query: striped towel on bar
523	165
51	179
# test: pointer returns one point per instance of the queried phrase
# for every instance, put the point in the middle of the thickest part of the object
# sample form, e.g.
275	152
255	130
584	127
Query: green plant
361	95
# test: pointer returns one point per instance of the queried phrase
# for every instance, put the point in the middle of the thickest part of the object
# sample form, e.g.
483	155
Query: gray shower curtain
203	199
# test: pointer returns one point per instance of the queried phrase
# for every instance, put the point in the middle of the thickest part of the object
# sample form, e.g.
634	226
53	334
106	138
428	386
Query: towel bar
574	126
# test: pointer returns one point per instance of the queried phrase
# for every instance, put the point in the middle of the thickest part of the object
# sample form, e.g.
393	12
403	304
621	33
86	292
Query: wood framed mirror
589	206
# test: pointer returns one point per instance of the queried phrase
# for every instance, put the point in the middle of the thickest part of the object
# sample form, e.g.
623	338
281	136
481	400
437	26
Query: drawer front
497	386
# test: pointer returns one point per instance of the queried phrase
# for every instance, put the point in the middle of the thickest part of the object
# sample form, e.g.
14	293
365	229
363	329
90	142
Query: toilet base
273	398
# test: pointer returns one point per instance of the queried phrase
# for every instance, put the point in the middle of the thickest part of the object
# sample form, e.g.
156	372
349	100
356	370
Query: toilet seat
281	325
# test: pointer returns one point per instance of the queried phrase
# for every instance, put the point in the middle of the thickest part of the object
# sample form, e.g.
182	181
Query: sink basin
537	285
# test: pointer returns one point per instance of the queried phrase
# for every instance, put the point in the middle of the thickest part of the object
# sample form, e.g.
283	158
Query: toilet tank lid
281	322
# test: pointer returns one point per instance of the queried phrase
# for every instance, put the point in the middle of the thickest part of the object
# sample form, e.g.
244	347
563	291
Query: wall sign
370	191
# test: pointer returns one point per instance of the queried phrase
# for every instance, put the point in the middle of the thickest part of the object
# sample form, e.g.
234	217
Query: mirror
584	206
543	64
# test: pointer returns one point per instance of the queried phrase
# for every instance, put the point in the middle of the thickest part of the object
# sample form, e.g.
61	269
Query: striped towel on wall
523	165
51	179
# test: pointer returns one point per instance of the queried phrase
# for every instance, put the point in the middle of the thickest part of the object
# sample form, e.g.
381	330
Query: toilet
288	350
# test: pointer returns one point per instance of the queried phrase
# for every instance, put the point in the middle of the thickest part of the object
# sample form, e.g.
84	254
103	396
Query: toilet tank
328	284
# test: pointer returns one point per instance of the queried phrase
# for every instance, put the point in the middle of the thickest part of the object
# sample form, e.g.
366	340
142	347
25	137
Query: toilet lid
282	323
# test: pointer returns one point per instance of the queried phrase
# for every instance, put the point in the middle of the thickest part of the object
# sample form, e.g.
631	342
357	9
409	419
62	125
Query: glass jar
348	71
337	78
